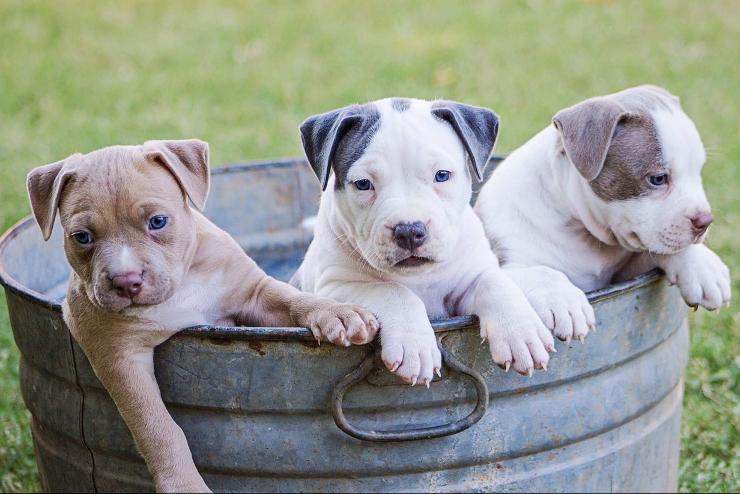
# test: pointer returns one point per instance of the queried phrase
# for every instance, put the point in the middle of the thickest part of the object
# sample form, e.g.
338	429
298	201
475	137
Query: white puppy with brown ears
612	189
396	233
144	265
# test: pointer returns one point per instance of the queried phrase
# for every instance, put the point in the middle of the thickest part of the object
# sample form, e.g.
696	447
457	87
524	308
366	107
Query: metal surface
367	366
255	403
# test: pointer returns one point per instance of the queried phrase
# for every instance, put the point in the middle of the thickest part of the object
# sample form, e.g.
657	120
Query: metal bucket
256	404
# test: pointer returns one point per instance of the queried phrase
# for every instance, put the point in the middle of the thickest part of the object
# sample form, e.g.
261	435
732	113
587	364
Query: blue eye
83	237
157	222
442	176
363	184
658	180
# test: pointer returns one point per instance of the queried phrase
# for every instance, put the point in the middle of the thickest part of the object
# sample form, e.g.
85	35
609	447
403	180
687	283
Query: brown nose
410	235
702	221
127	284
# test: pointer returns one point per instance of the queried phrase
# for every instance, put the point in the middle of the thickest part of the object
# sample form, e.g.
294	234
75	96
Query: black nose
409	236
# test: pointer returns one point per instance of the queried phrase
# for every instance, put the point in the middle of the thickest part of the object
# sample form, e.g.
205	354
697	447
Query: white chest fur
196	302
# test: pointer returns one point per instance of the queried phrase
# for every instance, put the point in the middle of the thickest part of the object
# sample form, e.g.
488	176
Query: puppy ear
476	127
321	135
45	185
587	130
187	160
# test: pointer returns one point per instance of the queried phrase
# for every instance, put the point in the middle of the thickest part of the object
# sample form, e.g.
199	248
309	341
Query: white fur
545	219
353	256
196	302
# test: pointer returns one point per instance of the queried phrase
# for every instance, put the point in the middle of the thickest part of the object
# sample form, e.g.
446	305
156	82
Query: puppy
145	264
611	190
395	231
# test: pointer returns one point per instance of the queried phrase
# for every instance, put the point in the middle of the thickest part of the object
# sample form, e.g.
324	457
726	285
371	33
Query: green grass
75	76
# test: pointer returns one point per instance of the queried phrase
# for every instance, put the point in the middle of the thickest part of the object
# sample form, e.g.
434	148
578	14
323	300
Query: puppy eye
363	184
83	237
658	180
442	176
157	222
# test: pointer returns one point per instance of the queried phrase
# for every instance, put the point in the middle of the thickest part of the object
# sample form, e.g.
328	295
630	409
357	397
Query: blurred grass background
76	75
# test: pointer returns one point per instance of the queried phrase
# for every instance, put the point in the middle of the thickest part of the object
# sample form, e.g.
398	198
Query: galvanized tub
256	404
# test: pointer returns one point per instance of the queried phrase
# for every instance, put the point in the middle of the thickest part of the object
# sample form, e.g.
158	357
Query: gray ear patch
476	127
634	154
336	140
400	104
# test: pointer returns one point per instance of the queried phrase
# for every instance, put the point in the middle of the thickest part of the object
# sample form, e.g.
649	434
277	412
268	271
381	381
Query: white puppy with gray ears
396	232
612	189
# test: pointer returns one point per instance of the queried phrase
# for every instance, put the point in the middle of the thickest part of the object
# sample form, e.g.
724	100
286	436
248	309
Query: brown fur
633	155
112	193
612	140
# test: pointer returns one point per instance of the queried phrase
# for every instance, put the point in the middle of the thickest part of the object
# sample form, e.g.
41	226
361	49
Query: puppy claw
543	366
582	339
413	380
551	349
482	340
426	381
393	367
507	366
438	372
530	372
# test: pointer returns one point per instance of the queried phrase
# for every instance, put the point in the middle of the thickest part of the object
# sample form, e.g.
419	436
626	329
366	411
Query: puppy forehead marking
634	153
354	143
400	104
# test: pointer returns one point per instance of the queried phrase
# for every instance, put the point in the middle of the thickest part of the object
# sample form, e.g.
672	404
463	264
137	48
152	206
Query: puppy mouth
413	261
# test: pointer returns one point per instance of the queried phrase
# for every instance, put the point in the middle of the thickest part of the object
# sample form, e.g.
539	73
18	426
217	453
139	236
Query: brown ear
587	129
187	160
45	185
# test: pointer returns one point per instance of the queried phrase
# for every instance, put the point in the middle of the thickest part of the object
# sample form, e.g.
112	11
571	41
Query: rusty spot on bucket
256	346
220	341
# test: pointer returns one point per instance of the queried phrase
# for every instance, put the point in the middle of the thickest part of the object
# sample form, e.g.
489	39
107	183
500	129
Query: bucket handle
367	366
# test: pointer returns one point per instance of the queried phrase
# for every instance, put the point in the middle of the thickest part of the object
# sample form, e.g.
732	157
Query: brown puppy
145	264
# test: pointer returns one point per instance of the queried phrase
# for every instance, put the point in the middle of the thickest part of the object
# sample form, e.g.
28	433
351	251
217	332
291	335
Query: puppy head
642	157
128	228
401	175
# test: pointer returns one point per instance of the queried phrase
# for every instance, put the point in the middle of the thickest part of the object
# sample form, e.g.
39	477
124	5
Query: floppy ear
187	160
587	130
321	134
45	185
476	127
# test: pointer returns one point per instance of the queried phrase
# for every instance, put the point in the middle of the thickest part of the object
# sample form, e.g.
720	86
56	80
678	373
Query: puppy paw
342	324
521	343
701	276
413	355
561	306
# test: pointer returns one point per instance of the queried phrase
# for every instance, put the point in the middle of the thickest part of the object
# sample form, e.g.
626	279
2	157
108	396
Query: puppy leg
408	345
561	306
699	273
274	303
127	372
515	334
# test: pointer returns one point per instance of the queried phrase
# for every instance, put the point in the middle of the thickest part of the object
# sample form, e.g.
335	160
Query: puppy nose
409	236
702	221
127	284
